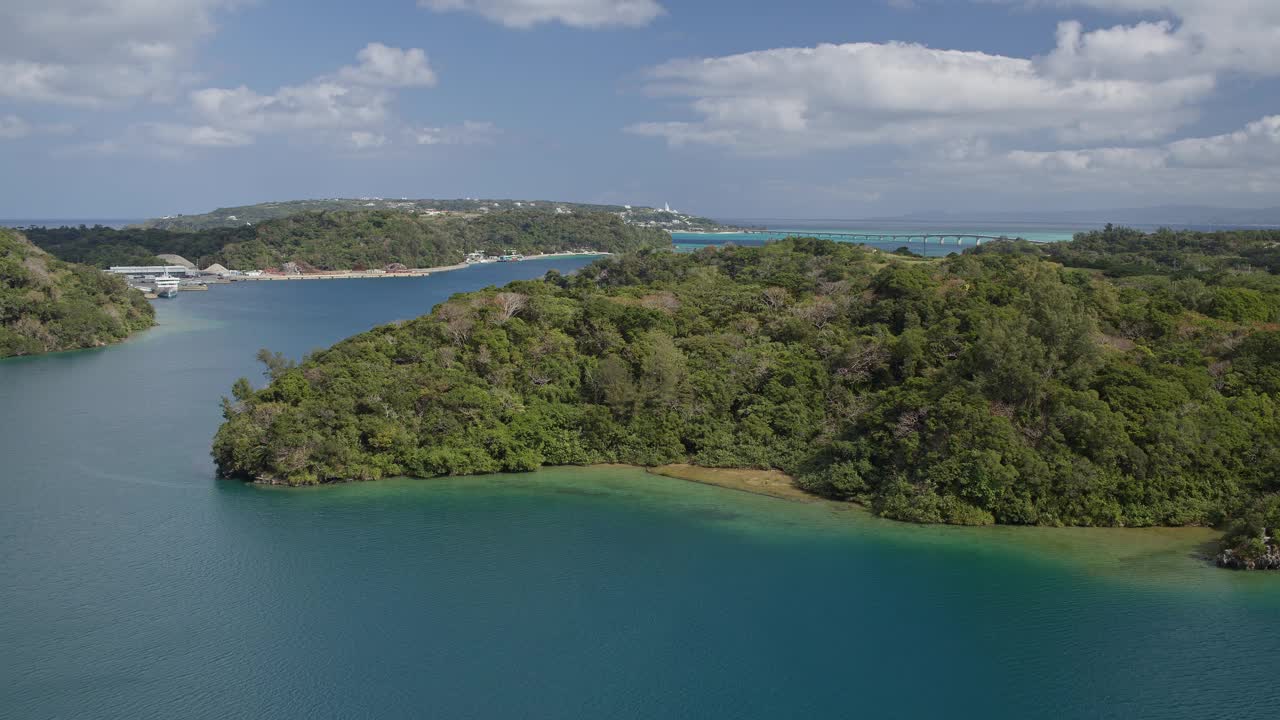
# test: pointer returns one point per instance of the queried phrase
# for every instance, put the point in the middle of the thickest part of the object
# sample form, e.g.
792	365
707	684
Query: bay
135	585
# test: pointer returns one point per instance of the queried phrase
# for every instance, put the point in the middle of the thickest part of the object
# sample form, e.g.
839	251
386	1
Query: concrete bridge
958	239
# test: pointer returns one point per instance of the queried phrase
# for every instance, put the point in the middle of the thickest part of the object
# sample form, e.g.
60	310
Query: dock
349	275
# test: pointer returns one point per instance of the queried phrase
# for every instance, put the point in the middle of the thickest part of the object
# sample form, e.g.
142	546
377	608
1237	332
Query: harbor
166	281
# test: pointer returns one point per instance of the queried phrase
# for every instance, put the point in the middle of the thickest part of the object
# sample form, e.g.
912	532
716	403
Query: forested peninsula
48	305
354	239
1122	379
230	217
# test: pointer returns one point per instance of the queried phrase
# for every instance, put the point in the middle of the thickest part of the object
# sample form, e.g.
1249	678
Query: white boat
166	286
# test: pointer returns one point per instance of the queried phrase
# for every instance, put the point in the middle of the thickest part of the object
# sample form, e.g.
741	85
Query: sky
803	109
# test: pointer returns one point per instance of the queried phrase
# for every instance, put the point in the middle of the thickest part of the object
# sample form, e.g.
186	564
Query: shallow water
134	585
686	242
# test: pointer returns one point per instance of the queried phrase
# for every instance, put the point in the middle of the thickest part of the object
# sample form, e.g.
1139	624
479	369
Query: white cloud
357	97
365	140
1240	168
159	140
1084	160
1257	145
839	96
470	132
100	52
317	105
1141	81
390	67
195	135
1193	36
353	107
574	13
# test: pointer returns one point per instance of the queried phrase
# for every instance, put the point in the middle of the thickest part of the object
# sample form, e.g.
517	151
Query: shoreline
1175	548
409	273
1159	550
777	485
768	483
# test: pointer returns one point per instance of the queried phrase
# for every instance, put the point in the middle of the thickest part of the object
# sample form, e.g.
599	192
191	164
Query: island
355	240
47	305
1120	379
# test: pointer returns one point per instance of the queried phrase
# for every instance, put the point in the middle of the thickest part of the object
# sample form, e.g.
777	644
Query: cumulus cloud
357	97
1256	145
317	105
574	13
390	67
352	107
1197	36
470	132
840	96
100	52
1140	81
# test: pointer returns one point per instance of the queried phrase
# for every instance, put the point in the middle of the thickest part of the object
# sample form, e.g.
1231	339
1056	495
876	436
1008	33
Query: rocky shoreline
1233	559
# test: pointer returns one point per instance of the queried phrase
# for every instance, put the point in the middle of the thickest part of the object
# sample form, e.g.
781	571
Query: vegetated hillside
996	386
342	240
103	247
253	214
1126	252
48	305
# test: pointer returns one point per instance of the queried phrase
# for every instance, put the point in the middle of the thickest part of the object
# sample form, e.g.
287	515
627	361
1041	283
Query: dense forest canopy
343	240
48	305
103	247
1001	385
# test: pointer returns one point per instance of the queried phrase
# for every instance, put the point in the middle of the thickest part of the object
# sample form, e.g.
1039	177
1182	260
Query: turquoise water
1036	233
134	585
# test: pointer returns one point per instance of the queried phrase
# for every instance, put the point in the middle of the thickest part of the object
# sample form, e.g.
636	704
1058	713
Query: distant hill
354	239
371	239
242	215
48	305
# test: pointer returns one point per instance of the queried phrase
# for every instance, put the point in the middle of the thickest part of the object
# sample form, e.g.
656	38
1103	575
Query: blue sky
827	108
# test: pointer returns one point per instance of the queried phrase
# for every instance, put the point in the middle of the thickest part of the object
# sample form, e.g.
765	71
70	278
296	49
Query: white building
150	271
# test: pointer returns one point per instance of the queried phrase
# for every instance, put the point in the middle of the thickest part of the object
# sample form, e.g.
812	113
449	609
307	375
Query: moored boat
167	286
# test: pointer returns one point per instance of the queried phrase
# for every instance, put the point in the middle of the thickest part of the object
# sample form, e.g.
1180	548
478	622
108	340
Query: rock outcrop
1263	556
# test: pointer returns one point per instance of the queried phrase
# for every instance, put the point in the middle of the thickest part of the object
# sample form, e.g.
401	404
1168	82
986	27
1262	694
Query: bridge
940	239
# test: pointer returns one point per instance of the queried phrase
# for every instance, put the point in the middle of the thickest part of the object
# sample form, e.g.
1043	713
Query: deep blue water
135	585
